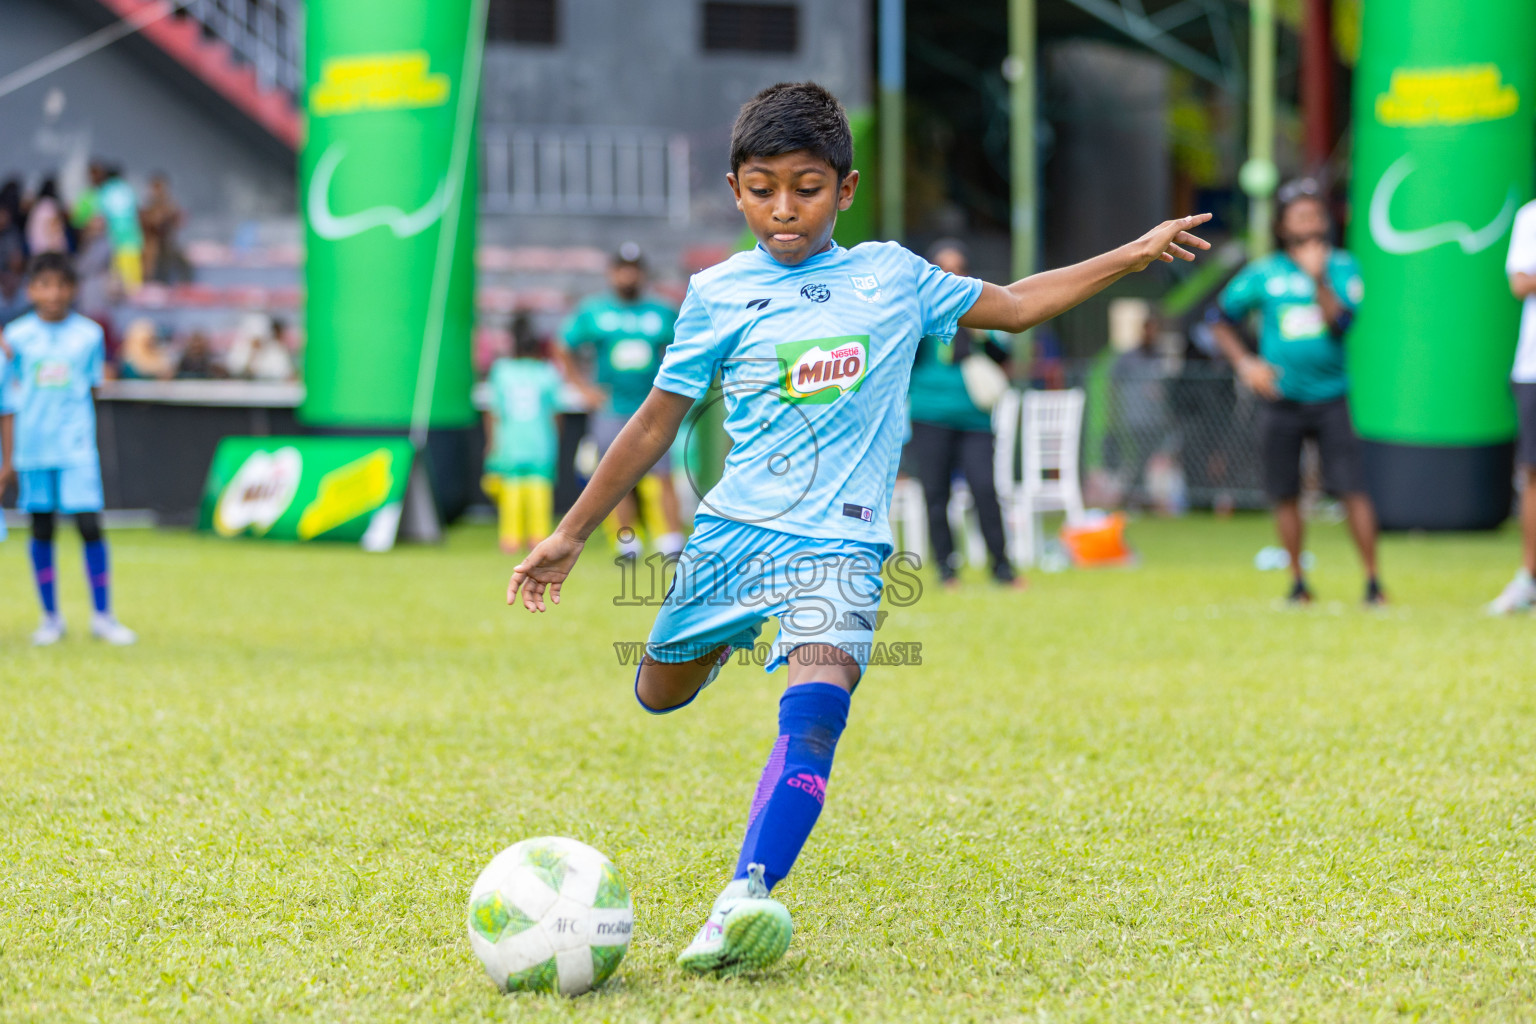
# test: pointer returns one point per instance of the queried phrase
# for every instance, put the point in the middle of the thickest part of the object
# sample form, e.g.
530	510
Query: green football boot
747	930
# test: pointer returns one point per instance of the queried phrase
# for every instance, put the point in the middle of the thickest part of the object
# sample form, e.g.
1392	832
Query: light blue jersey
814	362
51	371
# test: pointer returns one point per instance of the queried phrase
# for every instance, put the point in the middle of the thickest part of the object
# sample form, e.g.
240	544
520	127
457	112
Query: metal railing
585	171
266	34
1186	436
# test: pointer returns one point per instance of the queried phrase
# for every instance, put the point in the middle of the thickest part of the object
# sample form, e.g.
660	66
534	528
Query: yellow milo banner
308	488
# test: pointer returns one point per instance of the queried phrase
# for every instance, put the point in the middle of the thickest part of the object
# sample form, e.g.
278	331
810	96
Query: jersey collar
815	262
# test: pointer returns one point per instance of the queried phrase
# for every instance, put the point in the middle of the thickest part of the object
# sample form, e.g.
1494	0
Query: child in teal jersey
521	440
813	345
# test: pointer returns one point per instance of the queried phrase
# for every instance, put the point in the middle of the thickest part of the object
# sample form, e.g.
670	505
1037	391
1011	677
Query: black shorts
1525	405
1287	424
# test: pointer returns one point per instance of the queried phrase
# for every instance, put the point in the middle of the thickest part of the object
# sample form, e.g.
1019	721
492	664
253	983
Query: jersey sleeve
96	357
694	355
1522	243
1243	294
943	298
1344	277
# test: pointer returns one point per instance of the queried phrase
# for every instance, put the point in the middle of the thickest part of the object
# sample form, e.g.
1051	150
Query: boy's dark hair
792	116
52	263
525	341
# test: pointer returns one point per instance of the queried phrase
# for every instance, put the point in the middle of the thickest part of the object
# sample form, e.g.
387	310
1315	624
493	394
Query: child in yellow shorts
521	441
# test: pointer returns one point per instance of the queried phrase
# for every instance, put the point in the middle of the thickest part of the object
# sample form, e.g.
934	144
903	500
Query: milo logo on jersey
51	374
822	370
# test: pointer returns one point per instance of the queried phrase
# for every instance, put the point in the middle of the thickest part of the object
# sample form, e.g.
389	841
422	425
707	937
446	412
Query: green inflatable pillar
1443	131
388	190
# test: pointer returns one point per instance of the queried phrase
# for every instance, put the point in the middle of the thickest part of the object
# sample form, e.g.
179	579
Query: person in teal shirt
950	434
1305	297
623	334
521	441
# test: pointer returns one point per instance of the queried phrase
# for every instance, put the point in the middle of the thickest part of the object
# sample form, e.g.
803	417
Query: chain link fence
1168	436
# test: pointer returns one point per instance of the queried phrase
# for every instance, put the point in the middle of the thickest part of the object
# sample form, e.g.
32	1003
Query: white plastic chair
1048	426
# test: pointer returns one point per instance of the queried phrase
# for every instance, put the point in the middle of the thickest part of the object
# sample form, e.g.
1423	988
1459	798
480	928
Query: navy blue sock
42	575
794	782
100	575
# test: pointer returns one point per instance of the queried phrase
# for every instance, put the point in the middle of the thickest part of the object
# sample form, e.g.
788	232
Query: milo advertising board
388	187
308	488
1443	133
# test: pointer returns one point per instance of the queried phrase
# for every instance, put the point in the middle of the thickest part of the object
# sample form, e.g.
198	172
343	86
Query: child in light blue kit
51	362
813	344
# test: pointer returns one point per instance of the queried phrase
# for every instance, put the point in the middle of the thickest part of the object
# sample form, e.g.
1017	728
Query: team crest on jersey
816	292
822	370
866	287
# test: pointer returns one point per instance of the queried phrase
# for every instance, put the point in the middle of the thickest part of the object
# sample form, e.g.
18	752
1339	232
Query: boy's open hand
1166	241
545	568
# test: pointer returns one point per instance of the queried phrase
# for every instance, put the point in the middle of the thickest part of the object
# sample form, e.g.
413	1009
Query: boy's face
51	294
791	202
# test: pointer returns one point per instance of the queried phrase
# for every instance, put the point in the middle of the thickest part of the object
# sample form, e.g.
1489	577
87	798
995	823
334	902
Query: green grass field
1119	796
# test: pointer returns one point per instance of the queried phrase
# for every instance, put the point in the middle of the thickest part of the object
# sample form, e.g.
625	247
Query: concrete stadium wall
127	104
618	62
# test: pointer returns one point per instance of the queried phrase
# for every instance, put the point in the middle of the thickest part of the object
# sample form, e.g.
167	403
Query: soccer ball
550	915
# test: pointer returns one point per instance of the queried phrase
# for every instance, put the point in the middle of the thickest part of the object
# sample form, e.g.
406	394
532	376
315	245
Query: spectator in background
88	202
522	440
10	202
1306	295
625	332
1520	595
1141	409
951	434
94	265
198	361
13	266
45	221
161	218
259	352
143	357
119	207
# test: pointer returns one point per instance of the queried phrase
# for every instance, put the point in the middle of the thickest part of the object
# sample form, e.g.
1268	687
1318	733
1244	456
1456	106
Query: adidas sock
42	575
794	781
97	572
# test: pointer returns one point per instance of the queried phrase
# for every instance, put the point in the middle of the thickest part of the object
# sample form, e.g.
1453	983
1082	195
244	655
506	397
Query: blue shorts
732	577
69	490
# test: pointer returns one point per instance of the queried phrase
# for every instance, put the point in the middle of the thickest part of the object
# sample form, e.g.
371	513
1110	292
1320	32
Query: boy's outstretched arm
644	439
1037	298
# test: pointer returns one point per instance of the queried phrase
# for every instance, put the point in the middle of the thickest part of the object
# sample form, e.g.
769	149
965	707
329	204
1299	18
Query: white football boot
105	627
1518	596
747	930
48	632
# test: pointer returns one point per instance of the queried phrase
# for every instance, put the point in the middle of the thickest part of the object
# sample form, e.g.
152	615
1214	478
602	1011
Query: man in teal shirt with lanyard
1306	295
624	333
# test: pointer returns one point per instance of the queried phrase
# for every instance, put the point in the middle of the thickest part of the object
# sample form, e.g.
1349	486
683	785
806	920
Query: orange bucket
1099	542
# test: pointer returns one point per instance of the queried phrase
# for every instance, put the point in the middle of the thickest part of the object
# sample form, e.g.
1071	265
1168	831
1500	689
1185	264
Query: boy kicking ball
814	344
51	362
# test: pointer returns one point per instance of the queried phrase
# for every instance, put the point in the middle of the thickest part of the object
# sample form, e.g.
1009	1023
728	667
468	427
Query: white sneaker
1518	596
105	627
747	930
48	632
